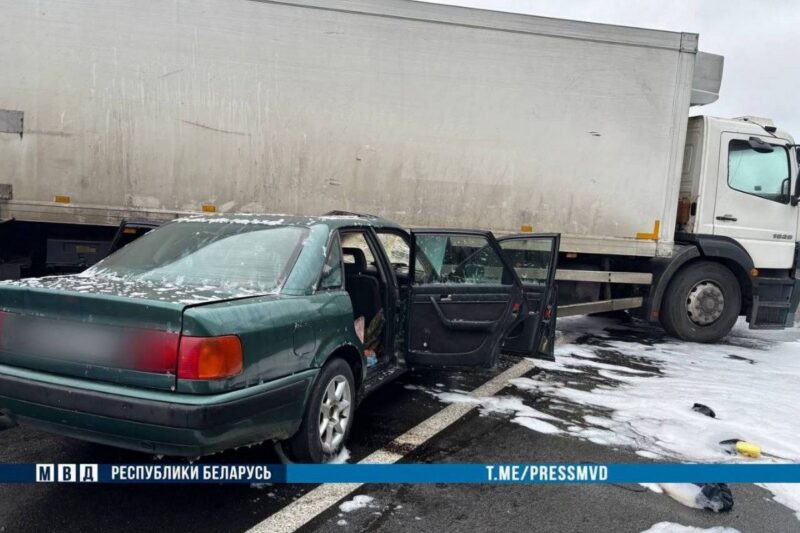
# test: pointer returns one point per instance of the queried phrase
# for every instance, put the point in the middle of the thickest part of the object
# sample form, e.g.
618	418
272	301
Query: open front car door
465	298
534	258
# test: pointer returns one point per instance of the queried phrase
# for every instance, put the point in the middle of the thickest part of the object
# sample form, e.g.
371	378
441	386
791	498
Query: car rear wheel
702	303
328	418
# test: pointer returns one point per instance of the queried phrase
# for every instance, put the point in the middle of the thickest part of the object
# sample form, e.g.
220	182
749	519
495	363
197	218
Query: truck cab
738	215
739	176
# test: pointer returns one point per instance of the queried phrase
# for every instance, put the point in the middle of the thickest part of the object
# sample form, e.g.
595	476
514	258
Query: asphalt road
385	415
563	508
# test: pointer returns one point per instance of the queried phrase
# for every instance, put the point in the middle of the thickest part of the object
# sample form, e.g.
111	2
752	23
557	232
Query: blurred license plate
56	339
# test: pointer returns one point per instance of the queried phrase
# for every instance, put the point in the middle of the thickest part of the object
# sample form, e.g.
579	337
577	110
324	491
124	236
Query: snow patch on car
233	220
96	281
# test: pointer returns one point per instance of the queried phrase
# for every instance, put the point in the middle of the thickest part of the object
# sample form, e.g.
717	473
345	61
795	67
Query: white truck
116	116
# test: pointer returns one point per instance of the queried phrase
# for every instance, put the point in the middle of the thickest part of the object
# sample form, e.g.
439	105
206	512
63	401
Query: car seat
364	290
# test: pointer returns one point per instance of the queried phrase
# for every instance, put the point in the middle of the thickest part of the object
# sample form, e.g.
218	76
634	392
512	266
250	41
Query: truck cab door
753	199
534	258
464	298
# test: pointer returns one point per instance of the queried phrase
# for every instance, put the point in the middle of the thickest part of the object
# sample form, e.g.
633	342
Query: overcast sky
760	40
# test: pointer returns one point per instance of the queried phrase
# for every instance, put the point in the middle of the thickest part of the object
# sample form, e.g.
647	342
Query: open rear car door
465	298
534	258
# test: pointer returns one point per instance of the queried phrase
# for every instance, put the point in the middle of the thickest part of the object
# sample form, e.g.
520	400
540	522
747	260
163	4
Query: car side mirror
760	146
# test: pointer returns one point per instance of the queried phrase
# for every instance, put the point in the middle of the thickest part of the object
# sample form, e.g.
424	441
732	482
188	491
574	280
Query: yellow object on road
748	449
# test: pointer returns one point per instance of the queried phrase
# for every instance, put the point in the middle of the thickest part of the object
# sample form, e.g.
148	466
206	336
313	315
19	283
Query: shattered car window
458	259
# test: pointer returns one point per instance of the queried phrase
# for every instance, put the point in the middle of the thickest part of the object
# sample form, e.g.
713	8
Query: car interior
367	288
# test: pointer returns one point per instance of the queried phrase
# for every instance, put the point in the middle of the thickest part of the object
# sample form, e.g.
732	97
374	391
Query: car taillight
155	351
209	357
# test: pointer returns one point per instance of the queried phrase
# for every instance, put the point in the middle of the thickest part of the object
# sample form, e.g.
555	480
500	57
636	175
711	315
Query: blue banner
400	473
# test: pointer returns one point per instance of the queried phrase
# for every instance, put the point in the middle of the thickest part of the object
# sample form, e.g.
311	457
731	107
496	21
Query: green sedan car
213	332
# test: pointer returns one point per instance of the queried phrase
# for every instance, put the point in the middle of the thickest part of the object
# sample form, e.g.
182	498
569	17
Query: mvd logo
66	473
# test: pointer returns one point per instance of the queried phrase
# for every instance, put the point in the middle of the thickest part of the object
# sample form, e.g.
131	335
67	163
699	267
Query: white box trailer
426	114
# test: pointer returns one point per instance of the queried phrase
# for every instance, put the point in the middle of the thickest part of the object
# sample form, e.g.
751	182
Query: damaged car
213	332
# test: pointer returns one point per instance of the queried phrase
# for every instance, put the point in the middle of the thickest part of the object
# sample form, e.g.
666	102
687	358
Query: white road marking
313	503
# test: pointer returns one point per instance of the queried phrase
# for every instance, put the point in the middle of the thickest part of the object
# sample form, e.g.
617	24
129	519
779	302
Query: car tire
333	387
702	303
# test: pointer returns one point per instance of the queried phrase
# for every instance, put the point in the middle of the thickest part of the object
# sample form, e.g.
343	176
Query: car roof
337	220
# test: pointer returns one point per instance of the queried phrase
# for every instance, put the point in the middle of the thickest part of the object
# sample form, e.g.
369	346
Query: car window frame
515	281
333	235
384	269
401	234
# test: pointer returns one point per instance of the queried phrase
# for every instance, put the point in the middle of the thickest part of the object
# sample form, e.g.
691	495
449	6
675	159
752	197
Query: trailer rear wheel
702	303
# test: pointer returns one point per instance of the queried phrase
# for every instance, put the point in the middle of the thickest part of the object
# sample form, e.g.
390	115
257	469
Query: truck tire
702	303
328	417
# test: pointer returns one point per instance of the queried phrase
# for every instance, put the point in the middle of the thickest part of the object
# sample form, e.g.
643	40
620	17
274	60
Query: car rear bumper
154	422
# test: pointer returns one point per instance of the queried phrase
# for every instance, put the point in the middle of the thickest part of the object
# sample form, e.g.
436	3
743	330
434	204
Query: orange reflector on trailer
526	228
651	236
61	199
209	208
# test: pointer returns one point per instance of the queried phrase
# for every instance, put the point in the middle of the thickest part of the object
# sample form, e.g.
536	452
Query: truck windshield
227	256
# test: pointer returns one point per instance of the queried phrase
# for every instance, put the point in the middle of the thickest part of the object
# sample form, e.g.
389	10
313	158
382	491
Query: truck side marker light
526	228
209	208
754	273
651	236
61	199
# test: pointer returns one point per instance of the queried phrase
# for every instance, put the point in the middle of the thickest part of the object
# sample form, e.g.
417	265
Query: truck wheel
702	303
329	413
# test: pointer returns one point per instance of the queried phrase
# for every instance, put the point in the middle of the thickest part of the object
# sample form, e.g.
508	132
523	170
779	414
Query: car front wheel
328	418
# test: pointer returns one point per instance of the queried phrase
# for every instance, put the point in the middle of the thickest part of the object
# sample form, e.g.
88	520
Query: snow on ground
671	527
359	502
342	458
625	385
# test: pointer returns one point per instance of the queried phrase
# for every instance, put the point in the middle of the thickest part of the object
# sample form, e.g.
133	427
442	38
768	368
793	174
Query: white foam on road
361	501
672	527
641	396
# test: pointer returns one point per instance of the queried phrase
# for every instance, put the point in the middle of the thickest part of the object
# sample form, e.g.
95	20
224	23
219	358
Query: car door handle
727	218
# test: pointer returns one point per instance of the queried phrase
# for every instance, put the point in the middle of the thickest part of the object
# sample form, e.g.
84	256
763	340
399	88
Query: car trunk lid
111	330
